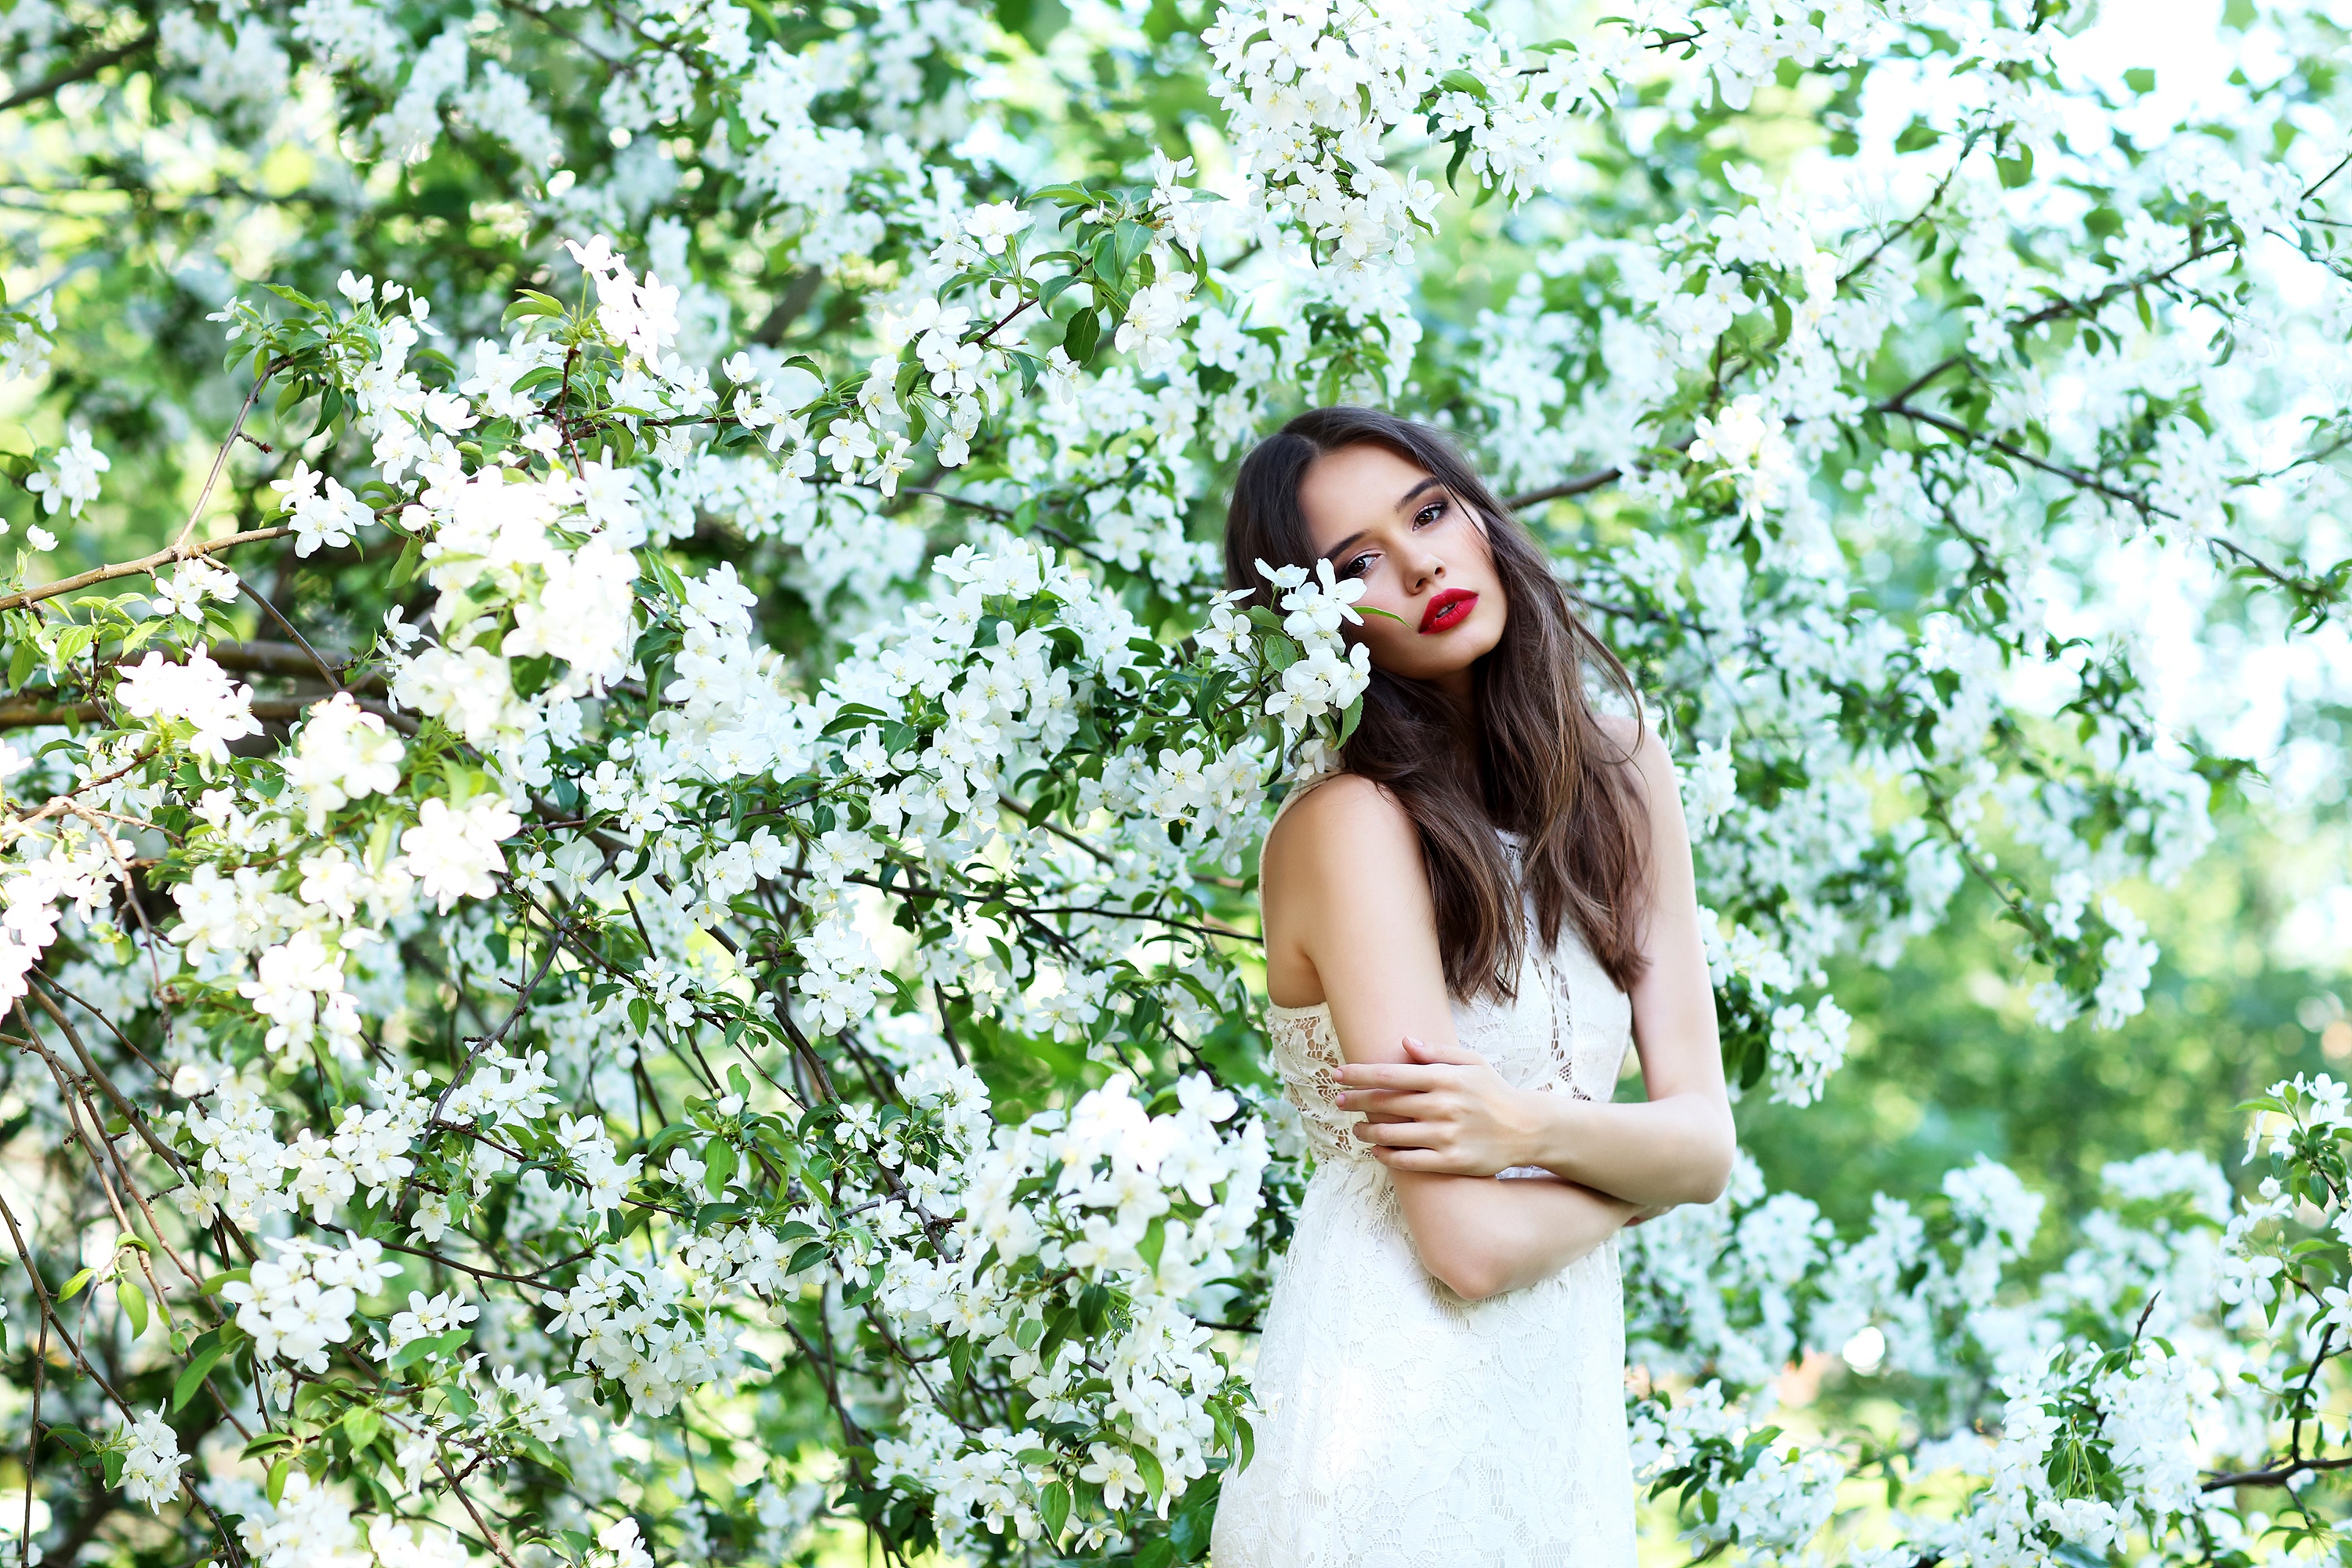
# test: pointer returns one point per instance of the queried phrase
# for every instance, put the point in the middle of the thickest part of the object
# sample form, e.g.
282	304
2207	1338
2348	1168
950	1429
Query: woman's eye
1429	514
1357	567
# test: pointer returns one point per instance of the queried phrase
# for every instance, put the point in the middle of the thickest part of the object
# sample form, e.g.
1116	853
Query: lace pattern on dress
1306	1055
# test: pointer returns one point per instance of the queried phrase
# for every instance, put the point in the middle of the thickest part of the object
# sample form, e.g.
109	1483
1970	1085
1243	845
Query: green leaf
135	1305
1036	21
360	1425
718	1158
1459	80
1351	719
1129	239
1053	1509
444	1345
2015	171
74	1285
532	304
1148	1463
199	1367
1155	1237
1083	332
1916	135
2140	81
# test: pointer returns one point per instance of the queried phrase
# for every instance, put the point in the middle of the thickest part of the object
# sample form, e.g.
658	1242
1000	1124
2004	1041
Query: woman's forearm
1651	1154
1481	1235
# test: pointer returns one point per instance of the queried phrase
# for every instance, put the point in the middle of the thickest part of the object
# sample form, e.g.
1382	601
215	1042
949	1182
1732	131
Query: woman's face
1422	555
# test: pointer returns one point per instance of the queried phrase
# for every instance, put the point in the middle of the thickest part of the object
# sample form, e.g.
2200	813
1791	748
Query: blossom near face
1433	602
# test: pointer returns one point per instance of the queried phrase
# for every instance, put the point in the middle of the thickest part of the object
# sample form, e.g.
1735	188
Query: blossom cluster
729	911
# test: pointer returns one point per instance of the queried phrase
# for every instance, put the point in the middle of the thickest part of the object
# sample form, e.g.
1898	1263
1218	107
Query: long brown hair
1539	764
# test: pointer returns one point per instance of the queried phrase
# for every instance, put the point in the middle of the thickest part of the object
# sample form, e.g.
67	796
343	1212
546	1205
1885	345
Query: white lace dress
1403	1426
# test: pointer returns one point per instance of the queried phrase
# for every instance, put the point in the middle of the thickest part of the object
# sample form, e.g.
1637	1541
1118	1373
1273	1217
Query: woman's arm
1442	1108
1347	913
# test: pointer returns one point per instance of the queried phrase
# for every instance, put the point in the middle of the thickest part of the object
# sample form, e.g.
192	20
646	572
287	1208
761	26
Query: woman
1465	925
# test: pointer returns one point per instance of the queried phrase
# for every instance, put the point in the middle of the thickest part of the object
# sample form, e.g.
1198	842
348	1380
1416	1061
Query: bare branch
145	564
81	71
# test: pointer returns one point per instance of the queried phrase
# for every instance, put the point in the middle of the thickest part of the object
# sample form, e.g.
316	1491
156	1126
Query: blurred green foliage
1946	1062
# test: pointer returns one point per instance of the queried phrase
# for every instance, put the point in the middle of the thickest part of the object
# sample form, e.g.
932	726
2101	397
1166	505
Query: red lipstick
1448	610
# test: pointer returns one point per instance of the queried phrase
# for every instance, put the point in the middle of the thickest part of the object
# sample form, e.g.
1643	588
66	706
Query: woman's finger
1428	1161
1397	1134
1457	1055
1396	1102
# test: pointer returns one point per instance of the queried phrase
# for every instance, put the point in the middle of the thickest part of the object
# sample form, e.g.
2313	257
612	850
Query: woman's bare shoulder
1632	742
1347	816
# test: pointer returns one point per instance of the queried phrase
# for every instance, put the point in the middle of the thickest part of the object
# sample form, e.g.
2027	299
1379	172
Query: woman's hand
1443	1110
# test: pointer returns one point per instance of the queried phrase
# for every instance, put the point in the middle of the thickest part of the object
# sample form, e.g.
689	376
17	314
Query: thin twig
220	458
522	1001
300	641
131	1112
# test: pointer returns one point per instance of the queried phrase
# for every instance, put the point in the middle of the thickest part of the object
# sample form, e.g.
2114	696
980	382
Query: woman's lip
1449	609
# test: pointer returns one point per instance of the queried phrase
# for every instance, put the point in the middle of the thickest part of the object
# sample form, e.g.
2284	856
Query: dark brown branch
26	714
2277	1477
1580	485
522	1002
2114	291
80	72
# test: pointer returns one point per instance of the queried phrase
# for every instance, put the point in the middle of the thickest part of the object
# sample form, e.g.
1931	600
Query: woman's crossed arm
1347	913
1439	1108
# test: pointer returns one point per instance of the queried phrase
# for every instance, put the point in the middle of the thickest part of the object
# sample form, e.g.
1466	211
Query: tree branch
81	72
145	564
1580	485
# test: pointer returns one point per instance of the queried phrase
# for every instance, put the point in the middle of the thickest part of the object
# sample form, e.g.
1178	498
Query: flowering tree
630	834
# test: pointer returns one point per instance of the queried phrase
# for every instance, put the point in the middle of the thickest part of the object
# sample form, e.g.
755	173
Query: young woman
1465	925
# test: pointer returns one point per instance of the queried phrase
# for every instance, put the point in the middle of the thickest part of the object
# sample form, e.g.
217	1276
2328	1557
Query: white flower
454	854
198	693
1710	787
73	484
342	754
1113	1469
994	223
428	1316
181	595
151	1459
1155	314
331	515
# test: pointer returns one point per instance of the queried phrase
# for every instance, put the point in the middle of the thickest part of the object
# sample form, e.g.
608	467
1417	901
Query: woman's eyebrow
1431	482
